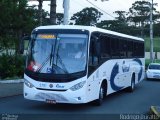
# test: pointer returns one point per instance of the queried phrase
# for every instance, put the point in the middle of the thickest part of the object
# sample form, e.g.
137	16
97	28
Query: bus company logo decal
51	85
114	73
59	86
141	70
125	68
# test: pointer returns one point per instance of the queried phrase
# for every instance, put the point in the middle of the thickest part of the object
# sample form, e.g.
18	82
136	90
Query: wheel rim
101	93
132	84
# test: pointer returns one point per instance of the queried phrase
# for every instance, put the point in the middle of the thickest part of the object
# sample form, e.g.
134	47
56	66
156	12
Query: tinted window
154	67
105	47
123	48
115	48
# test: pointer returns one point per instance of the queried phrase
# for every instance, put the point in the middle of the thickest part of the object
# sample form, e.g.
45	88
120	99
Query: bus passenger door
93	63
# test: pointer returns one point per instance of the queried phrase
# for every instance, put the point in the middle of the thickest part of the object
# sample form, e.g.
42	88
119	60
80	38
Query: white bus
80	64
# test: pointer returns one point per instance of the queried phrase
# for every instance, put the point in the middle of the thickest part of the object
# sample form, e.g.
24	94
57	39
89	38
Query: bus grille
51	96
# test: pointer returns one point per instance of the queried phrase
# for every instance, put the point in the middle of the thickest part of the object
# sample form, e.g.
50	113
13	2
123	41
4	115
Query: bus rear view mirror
22	43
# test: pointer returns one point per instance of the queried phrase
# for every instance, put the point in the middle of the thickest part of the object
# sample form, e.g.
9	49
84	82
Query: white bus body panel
117	73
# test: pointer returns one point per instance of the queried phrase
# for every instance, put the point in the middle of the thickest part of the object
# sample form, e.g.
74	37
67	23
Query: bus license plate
50	101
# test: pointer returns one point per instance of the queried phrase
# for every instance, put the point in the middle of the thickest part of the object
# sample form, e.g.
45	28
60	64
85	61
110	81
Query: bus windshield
57	53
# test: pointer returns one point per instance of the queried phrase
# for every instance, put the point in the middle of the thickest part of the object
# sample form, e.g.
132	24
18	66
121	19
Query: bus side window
115	48
105	47
129	49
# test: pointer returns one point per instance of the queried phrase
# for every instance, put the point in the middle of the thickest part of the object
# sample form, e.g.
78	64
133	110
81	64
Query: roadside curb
12	81
155	110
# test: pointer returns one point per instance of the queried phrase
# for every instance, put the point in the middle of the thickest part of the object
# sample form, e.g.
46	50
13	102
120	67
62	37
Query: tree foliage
121	16
140	11
135	22
87	16
119	26
45	17
59	18
16	19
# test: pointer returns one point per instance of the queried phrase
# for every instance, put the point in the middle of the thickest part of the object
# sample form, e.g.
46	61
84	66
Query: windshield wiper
62	64
46	60
43	64
60	60
51	55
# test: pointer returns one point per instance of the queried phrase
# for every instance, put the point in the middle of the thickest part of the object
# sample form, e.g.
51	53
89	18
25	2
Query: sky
107	6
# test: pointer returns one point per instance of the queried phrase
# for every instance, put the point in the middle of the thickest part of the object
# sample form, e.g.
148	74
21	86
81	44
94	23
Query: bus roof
90	29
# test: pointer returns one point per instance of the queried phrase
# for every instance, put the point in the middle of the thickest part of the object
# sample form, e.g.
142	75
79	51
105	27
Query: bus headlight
28	84
77	86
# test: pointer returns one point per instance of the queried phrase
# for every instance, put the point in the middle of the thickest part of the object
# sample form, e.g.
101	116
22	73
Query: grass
12	78
156	42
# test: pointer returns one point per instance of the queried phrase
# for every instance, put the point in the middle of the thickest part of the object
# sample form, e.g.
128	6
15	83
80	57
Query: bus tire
102	94
132	86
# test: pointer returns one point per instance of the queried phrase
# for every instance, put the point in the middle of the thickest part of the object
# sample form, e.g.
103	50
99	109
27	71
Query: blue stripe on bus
114	73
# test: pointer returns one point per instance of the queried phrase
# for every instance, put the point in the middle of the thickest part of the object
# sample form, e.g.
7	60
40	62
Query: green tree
45	17
59	18
139	14
121	15
16	19
119	24
115	25
87	16
53	12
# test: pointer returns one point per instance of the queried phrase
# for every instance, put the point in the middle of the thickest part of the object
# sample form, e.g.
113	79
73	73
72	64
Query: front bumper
153	76
68	96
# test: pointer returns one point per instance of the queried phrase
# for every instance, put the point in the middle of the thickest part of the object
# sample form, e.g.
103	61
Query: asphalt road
147	93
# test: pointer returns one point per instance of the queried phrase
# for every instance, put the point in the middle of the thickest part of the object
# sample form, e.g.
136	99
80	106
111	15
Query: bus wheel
132	87
102	90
